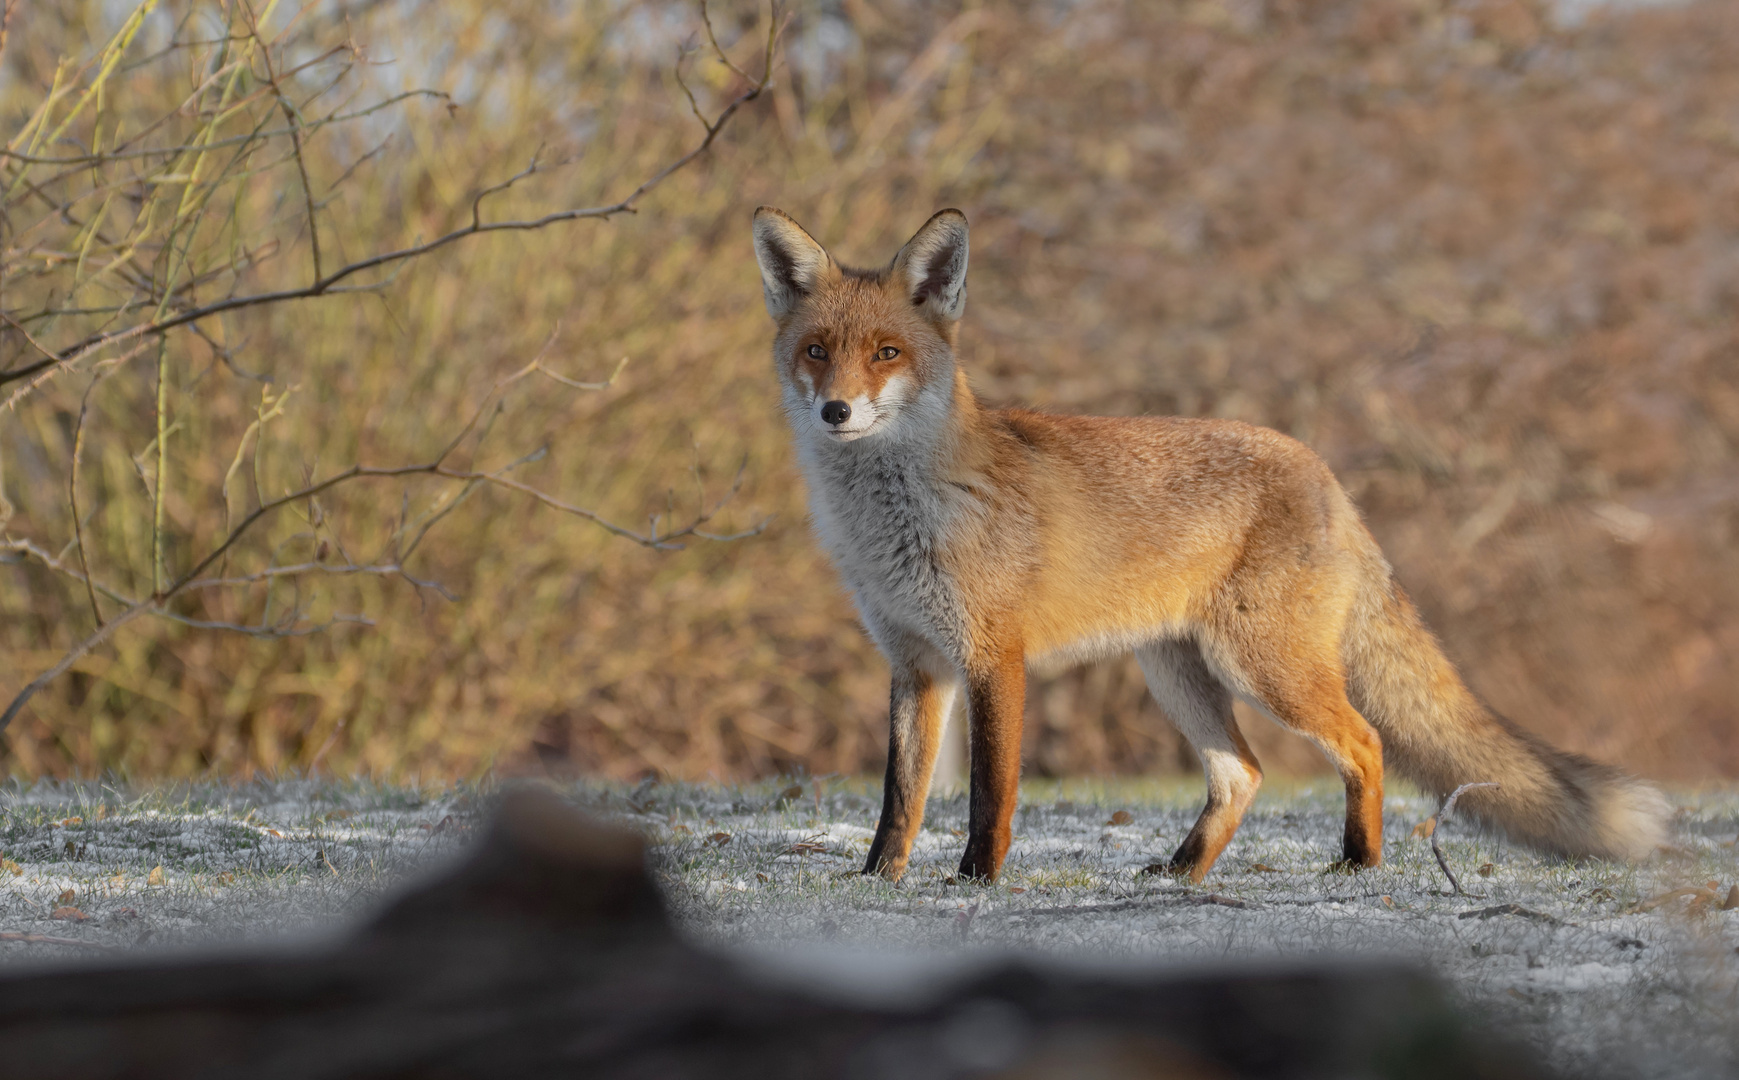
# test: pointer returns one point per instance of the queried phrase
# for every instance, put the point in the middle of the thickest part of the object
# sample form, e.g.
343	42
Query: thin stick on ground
47	939
1443	813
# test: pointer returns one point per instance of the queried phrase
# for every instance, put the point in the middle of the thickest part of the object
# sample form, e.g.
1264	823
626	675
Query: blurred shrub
1487	266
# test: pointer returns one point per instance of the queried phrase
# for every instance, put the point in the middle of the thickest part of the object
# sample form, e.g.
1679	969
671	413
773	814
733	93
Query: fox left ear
932	266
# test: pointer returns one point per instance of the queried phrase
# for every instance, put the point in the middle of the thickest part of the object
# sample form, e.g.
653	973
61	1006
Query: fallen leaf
805	847
719	838
8	866
1697	895
155	877
67	913
1017	889
763	878
67	897
1388	901
1121	817
1485	870
957	832
338	815
127	913
71	821
1263	868
276	833
1424	829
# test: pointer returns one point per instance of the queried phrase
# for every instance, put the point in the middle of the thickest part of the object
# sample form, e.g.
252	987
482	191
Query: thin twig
78	445
1443	816
196	196
325	285
154	604
48	939
296	125
565	381
216	144
267	576
529	170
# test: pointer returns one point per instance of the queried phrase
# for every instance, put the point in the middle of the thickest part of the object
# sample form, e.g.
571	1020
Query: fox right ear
792	263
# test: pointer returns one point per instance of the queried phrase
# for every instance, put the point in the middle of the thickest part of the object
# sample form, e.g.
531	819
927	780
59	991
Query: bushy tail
1437	734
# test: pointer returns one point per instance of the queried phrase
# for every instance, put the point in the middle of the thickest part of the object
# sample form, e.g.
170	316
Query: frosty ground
1585	961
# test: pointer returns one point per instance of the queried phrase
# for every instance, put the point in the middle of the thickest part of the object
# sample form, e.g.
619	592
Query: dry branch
164	257
326	285
50	939
1443	813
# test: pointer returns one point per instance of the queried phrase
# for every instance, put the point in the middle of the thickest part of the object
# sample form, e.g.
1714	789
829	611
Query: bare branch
154	604
324	285
19	935
565	381
477	203
164	255
78	445
1442	816
295	123
218	144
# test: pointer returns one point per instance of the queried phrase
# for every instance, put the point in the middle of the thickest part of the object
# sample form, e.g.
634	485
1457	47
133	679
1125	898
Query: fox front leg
918	706
996	701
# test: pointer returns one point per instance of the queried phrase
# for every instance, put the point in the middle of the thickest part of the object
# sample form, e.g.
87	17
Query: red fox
1225	556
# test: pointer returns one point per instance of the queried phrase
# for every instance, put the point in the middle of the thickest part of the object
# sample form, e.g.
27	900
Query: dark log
548	953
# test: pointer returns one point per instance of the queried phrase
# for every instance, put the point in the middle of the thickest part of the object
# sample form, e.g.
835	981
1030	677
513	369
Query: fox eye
817	352
887	352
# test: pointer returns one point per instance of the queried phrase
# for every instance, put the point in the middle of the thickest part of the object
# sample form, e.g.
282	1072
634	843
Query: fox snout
842	420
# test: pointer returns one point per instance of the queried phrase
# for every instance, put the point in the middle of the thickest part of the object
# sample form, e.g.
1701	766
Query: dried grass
1489	268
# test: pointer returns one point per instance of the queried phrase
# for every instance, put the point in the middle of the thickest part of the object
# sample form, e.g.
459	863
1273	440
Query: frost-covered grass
205	864
1570	965
1598	987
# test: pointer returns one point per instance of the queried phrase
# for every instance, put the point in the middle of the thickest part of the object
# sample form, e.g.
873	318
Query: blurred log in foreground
548	952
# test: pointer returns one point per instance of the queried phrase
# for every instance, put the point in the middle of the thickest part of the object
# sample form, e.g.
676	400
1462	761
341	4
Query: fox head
857	349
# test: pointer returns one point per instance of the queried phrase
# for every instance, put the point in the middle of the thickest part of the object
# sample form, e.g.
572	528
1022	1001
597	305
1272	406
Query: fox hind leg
1201	707
1310	698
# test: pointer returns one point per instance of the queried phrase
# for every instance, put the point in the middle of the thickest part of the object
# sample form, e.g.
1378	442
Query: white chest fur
884	519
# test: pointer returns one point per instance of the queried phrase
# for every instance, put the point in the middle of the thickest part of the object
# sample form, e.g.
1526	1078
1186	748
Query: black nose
835	412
